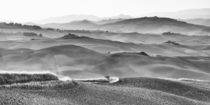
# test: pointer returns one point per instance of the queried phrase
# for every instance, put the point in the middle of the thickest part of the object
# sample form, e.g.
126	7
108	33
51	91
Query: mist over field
120	53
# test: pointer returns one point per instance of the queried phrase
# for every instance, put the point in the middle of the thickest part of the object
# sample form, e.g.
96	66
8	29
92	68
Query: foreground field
127	91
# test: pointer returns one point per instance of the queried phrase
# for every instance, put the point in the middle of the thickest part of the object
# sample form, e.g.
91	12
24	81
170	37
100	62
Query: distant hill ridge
155	25
151	19
17	25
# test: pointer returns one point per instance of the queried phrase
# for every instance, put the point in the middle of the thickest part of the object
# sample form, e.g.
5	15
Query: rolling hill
80	62
79	25
175	48
138	65
68	18
54	59
16	31
205	22
77	17
155	25
142	25
139	38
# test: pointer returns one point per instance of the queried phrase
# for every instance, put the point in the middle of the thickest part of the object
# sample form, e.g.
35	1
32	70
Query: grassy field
127	91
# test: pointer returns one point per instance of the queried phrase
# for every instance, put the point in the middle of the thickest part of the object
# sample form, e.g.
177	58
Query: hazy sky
31	10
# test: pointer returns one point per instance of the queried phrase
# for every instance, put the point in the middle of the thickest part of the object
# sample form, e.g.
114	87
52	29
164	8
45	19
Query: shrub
170	33
23	78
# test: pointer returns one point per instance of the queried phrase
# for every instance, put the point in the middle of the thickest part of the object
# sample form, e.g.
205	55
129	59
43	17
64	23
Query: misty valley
116	61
